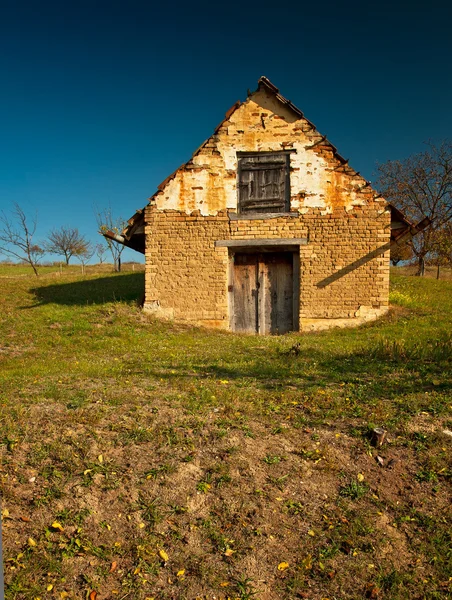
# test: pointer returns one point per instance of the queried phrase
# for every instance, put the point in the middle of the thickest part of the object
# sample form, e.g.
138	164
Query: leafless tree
16	237
66	241
108	223
100	251
85	255
421	186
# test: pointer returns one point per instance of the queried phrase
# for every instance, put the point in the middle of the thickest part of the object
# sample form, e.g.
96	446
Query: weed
272	460
353	490
245	588
150	509
426	475
294	508
279	482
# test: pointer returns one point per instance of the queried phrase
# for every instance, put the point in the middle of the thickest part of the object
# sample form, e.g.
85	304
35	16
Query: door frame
294	250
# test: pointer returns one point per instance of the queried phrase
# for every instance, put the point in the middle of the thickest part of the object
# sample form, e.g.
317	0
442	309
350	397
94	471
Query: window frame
284	165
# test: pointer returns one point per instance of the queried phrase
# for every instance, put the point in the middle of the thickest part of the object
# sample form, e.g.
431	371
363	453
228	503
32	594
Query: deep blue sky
100	101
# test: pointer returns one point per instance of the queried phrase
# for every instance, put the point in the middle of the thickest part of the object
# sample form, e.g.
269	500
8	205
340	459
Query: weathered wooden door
263	293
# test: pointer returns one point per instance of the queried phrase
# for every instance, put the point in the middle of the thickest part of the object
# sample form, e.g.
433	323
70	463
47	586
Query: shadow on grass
360	376
127	287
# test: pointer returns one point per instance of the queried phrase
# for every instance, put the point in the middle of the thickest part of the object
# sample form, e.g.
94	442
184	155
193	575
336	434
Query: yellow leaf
224	583
31	542
137	570
229	552
87	471
163	555
49	587
100	458
283	566
360	477
5	513
181	572
56	525
311	532
141	525
64	595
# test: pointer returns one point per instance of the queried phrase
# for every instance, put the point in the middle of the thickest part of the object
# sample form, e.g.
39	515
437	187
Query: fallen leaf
360	477
163	555
283	566
49	587
24	519
31	542
100	458
93	595
56	525
180	573
229	552
113	567
311	532
224	584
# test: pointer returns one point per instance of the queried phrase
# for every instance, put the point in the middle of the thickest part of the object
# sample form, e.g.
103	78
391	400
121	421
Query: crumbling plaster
208	182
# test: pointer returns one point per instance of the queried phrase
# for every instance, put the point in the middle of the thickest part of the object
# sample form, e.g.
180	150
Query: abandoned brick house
266	229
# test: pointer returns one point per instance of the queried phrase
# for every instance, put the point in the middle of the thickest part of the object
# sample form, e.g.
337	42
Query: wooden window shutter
264	183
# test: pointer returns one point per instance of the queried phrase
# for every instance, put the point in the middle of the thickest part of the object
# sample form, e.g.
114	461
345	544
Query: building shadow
123	287
353	266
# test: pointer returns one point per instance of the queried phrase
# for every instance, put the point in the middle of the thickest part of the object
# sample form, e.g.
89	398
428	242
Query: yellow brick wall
343	267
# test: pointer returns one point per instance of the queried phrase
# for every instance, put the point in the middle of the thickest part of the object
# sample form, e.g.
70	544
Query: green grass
223	451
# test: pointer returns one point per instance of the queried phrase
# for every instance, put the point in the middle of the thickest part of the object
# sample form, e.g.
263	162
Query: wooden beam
261	242
248	216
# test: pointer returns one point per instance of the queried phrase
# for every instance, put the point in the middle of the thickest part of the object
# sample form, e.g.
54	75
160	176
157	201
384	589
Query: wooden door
245	293
276	293
263	293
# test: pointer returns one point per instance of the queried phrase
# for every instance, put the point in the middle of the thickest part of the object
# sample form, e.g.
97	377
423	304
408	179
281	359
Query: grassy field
148	460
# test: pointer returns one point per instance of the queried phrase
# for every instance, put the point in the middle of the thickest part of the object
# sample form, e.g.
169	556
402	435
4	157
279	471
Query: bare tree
111	225
16	237
100	251
421	186
85	255
66	241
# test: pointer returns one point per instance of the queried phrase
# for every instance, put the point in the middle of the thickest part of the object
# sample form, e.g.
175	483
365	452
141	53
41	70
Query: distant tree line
17	240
